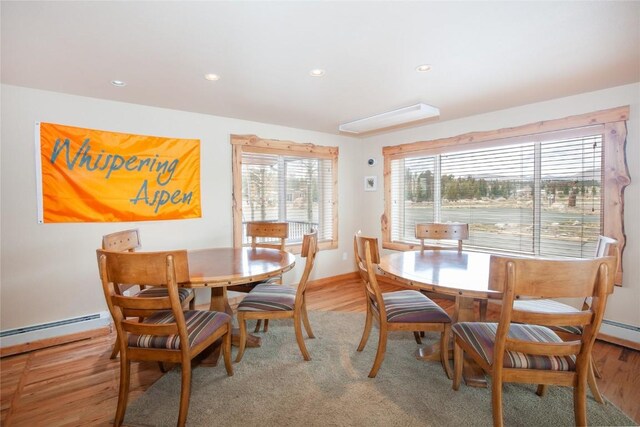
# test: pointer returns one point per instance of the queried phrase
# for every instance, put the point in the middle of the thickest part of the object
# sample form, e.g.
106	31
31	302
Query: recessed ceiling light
423	68
212	77
317	72
118	83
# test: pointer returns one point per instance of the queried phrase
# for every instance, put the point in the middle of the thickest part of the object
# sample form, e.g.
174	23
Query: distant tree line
419	187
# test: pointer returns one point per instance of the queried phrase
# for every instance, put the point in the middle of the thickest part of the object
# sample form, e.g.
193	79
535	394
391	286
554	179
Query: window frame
253	144
615	171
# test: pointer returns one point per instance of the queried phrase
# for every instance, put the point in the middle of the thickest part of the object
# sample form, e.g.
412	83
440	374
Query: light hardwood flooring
76	384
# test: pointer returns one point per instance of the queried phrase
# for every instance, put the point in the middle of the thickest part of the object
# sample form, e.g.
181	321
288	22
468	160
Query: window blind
297	190
539	195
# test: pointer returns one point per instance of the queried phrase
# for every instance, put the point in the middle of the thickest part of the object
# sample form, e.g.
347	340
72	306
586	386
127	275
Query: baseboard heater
27	334
622	331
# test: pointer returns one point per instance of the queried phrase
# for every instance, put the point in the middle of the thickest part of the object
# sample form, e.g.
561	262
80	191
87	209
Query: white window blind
538	195
297	190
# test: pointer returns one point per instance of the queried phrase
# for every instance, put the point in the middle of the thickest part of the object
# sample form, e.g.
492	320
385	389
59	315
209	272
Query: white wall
49	271
624	304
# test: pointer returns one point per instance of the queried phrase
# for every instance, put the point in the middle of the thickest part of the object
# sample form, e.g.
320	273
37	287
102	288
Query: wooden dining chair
264	234
272	301
129	241
407	310
606	246
451	231
171	334
522	347
455	231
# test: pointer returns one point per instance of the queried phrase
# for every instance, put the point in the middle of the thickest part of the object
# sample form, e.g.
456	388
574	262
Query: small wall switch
344	256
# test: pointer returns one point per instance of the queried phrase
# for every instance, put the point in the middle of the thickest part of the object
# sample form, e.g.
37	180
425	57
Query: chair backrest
263	234
148	268
308	251
121	241
536	277
367	257
606	246
438	231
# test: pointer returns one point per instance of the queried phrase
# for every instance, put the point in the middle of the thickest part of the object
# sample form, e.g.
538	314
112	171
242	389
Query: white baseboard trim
17	336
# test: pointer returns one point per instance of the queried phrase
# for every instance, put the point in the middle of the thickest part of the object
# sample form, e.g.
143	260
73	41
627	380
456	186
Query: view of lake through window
540	197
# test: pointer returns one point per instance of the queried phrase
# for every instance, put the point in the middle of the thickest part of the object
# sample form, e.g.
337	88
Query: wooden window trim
615	176
254	144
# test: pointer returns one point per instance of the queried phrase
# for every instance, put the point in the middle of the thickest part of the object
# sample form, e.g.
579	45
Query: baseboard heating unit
27	334
621	330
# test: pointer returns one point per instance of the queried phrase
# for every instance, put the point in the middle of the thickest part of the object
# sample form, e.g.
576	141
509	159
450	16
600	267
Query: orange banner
98	176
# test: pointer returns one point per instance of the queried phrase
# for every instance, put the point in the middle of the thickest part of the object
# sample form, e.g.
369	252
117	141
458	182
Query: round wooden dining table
218	268
464	275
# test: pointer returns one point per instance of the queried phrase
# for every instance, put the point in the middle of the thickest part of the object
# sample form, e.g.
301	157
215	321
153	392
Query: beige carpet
274	386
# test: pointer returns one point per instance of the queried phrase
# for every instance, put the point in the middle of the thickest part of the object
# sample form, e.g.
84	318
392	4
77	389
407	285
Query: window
285	181
521	192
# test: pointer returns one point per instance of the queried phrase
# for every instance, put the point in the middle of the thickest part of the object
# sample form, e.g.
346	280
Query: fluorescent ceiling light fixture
391	118
212	77
118	83
317	72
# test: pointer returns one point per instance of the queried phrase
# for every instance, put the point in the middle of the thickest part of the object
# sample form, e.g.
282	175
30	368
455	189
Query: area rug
274	386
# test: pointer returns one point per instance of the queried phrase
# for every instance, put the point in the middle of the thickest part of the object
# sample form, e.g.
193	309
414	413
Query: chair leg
226	351
259	323
444	350
243	337
305	320
416	335
458	360
542	389
580	403
382	348
116	350
185	392
123	392
596	371
367	330
192	303
297	325
496	399
593	385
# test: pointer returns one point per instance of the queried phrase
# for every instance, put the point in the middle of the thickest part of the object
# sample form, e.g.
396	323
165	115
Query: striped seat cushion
271	280
549	306
200	325
481	336
412	307
267	297
248	287
159	291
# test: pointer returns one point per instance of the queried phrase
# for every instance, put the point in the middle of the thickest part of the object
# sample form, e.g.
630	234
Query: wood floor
77	384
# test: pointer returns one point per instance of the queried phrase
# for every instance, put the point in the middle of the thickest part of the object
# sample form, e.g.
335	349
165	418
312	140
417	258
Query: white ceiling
486	56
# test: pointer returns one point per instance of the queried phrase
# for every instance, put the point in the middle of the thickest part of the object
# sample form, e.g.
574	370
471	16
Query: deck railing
296	230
